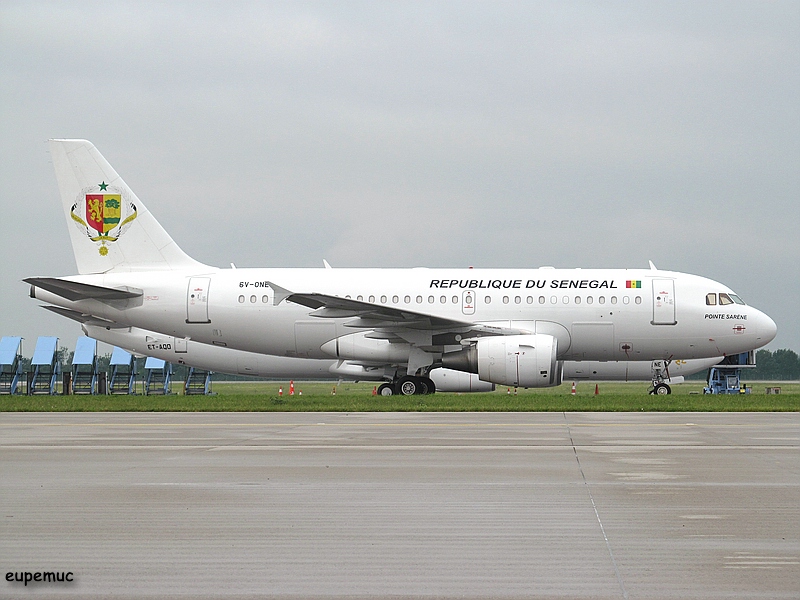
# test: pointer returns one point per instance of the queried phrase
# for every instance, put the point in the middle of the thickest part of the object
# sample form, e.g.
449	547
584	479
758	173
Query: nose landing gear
660	373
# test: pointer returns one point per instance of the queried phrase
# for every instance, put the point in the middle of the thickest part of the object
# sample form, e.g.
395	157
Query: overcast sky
572	134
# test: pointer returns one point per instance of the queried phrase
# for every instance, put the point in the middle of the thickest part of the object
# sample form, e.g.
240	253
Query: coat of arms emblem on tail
105	212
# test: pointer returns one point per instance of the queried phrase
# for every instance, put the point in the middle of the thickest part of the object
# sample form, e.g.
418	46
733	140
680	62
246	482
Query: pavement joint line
597	514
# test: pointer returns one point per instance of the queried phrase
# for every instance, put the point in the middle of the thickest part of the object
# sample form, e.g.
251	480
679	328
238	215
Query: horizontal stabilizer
84	318
74	291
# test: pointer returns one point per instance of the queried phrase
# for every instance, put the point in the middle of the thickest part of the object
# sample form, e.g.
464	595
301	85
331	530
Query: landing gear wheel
662	389
385	390
428	383
408	386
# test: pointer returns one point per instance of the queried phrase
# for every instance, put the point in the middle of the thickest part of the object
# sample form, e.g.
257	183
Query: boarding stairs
123	372
725	378
158	377
45	367
84	366
198	382
10	364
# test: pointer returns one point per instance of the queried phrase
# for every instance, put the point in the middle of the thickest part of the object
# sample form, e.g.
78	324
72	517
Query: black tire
429	384
385	390
408	386
662	389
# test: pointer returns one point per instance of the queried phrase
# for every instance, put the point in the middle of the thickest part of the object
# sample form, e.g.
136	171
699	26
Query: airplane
512	327
227	360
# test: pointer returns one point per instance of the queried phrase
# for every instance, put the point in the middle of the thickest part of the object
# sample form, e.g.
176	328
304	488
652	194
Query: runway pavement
387	505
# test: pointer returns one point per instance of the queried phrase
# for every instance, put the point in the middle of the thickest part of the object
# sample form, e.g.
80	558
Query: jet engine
517	360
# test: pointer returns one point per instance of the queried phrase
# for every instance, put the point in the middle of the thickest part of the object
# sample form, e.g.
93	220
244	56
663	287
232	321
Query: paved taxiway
524	505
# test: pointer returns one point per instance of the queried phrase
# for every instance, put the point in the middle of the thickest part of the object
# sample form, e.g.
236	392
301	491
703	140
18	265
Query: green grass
352	397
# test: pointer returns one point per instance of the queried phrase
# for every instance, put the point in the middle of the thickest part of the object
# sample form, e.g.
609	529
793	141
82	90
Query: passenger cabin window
711	299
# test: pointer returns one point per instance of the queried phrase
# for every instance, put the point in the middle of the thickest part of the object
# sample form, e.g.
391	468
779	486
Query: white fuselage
593	314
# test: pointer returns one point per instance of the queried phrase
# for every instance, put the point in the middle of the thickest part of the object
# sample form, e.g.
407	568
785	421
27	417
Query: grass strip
360	402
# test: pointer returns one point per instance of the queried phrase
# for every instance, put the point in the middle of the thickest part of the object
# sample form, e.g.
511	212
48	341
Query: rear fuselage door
197	300
663	302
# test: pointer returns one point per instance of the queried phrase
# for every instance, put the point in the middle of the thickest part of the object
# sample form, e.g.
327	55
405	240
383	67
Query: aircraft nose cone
767	329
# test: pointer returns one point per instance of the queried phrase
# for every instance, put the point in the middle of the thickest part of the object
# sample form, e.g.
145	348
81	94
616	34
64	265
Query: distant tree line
781	365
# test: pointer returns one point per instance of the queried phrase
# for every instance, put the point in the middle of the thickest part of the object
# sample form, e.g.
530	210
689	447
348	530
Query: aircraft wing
388	321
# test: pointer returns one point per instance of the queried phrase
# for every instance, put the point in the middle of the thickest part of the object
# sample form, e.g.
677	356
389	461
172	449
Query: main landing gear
408	386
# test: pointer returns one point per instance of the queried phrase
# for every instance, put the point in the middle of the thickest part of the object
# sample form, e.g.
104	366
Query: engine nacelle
517	360
448	380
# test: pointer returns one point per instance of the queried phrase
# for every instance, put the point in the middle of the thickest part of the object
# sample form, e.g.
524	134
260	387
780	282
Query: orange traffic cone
596	389
333	391
374	390
280	391
573	388
508	391
291	388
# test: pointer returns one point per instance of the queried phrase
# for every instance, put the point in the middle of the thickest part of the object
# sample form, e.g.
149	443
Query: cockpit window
724	299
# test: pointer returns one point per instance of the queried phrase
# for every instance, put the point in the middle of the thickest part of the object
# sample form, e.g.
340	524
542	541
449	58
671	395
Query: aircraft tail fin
110	228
